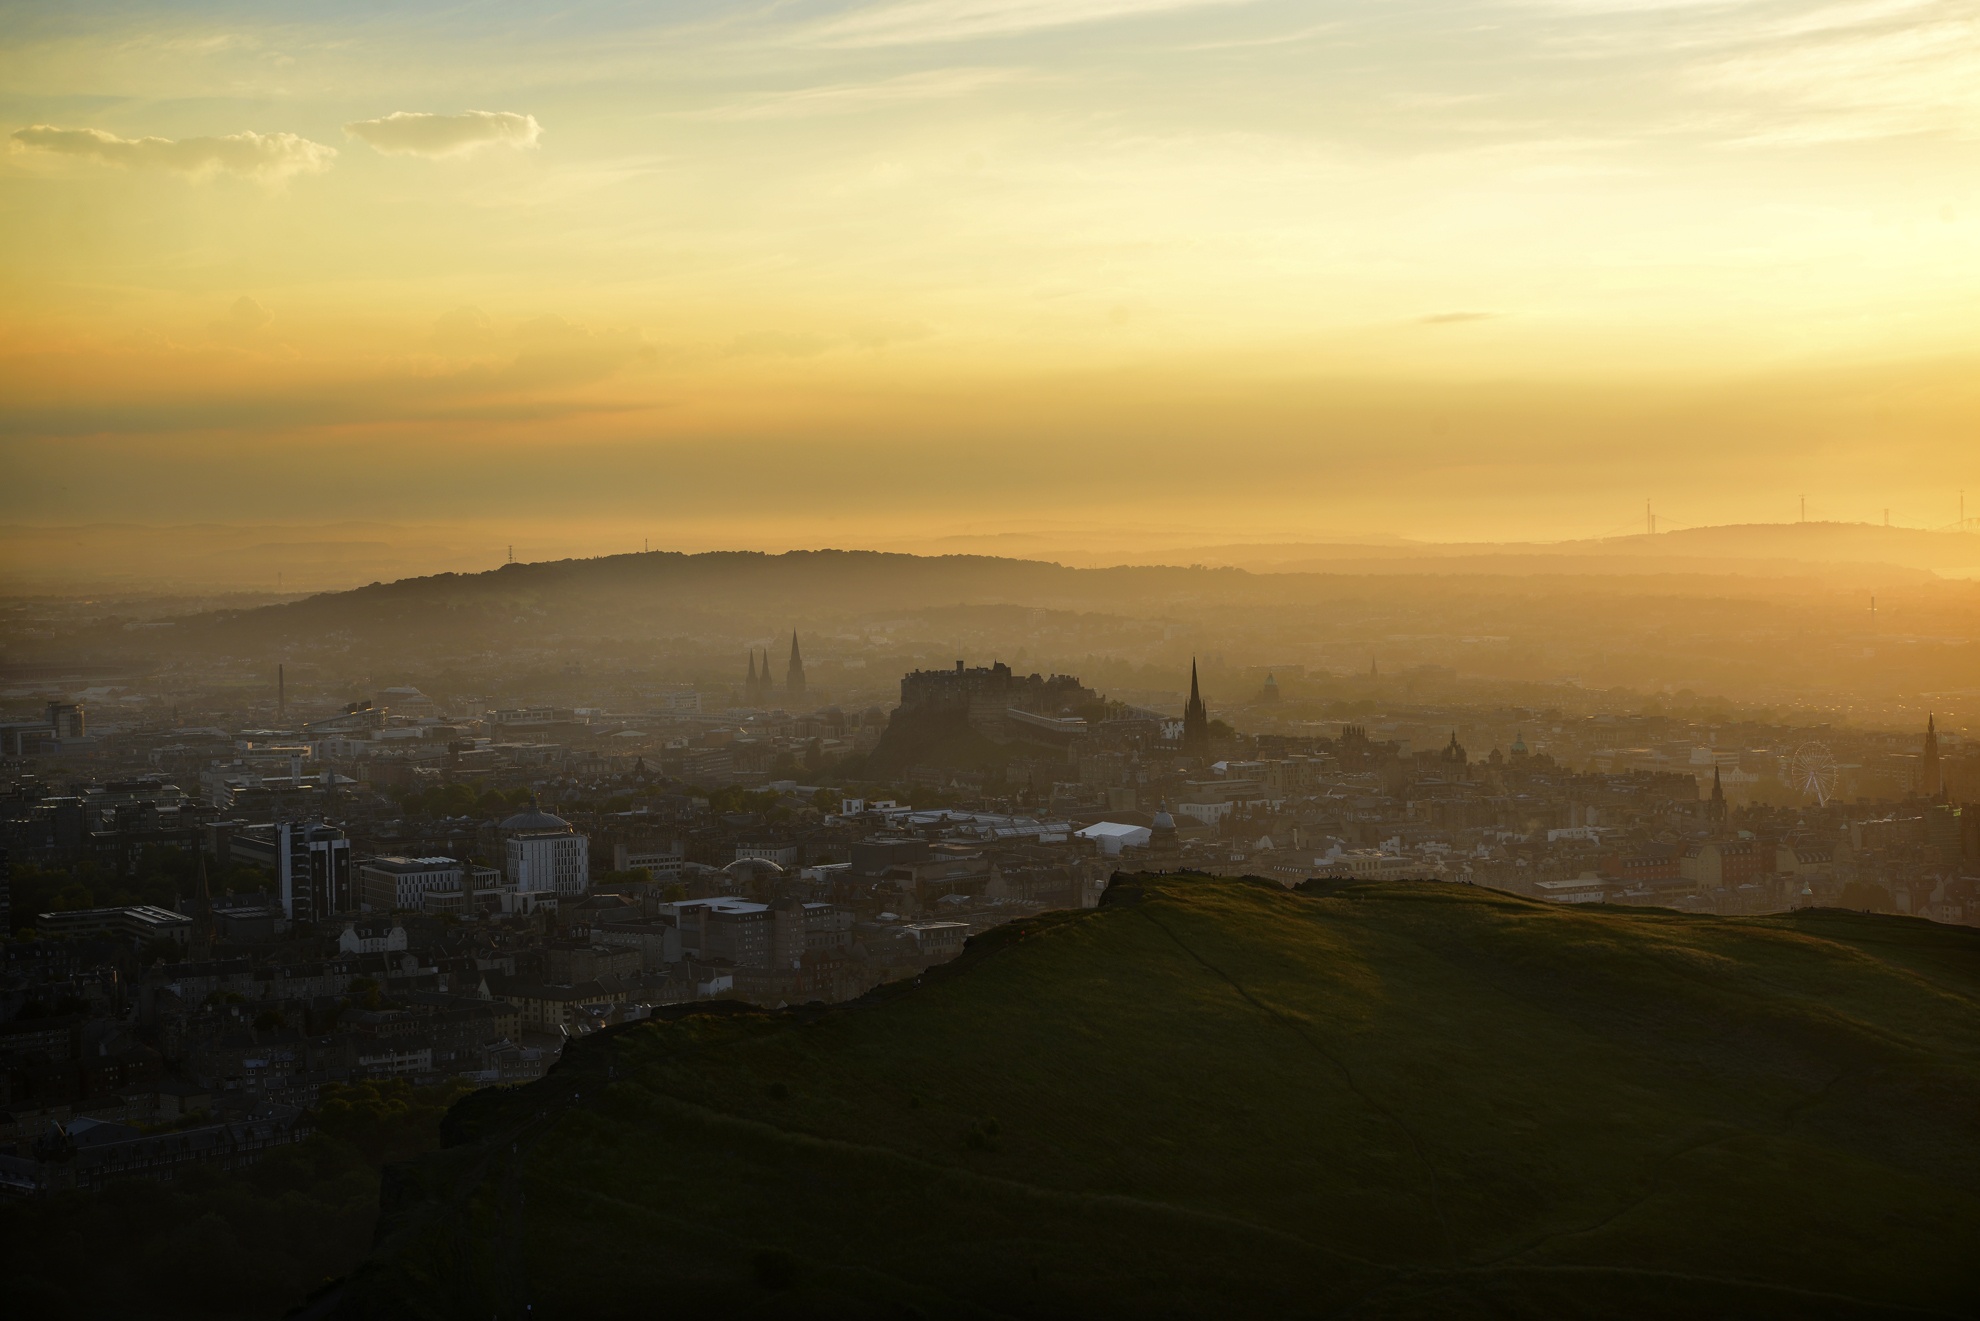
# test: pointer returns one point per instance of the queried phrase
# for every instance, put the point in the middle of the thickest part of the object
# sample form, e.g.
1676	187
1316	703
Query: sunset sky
769	272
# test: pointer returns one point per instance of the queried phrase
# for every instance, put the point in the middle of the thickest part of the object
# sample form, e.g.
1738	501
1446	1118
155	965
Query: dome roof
535	819
749	869
1162	821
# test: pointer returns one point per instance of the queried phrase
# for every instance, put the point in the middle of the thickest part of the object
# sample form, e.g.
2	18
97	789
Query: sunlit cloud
416	133
265	156
1276	39
1843	80
853	98
463	331
244	324
554	352
922	21
885	334
779	344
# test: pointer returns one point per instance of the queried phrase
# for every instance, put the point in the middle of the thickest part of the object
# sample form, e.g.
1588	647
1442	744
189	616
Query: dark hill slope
1216	1098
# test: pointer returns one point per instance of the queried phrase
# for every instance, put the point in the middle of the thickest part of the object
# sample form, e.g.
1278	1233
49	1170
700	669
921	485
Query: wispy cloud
853	98
265	156
1276	39
779	344
1857	72
918	22
417	133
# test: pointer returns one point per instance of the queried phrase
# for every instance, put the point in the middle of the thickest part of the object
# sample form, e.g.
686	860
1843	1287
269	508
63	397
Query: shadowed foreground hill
1215	1098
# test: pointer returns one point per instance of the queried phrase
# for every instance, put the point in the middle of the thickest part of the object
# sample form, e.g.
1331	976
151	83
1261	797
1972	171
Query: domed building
535	819
754	875
545	855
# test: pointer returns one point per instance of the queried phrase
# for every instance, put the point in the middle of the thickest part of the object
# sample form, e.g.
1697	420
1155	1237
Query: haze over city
959	658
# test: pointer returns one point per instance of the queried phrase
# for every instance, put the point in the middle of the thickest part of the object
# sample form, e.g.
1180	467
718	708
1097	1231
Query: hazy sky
1470	267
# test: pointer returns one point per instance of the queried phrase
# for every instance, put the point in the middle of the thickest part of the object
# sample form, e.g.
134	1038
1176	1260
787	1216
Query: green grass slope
1214	1098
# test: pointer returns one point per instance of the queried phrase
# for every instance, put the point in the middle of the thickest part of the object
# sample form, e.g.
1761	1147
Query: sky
737	273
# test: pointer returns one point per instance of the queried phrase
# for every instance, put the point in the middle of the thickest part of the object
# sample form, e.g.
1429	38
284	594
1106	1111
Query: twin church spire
760	687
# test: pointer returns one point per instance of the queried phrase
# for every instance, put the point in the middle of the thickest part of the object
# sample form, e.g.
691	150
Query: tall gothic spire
795	679
1196	720
1929	775
749	687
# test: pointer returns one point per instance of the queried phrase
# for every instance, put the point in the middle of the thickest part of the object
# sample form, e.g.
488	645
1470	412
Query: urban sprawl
210	924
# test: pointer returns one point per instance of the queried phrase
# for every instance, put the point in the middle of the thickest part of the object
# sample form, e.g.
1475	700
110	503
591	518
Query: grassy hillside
1215	1098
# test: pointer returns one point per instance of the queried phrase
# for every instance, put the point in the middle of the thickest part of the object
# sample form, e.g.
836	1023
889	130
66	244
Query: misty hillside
666	617
661	592
1217	1098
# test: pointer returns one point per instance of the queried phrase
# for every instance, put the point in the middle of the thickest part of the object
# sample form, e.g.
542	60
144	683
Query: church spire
1196	720
1930	778
794	681
749	687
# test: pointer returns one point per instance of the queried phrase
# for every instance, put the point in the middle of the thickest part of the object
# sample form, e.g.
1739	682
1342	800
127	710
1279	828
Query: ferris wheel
1813	771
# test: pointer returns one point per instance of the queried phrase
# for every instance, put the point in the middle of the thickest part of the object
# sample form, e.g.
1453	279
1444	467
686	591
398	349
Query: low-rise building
133	922
1722	864
89	1154
547	1008
388	884
658	942
661	863
372	935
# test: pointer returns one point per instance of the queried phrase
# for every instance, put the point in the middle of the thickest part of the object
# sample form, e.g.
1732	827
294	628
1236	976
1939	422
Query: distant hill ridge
1767	547
1214	1098
896	580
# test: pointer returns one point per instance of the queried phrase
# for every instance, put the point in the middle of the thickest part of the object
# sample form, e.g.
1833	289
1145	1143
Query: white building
389	883
545	855
372	936
662	864
1113	836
